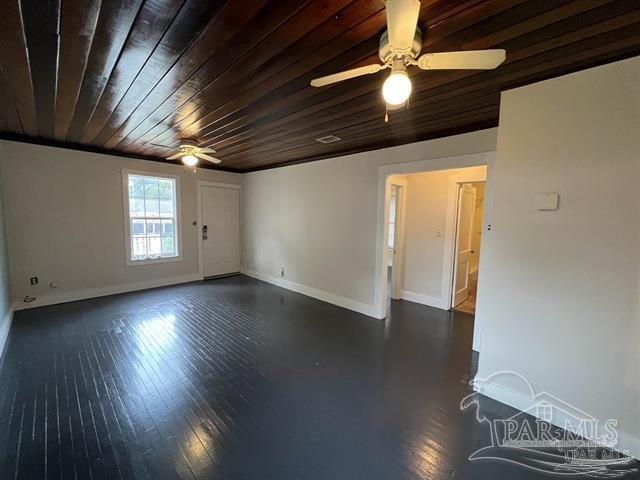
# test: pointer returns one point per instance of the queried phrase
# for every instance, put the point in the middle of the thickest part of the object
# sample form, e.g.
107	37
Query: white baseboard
366	309
525	403
55	298
422	299
5	327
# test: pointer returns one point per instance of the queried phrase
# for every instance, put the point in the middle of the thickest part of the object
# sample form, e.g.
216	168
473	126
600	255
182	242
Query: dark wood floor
238	379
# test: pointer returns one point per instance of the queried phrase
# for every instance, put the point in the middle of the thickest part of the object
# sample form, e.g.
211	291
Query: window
392	216
152	220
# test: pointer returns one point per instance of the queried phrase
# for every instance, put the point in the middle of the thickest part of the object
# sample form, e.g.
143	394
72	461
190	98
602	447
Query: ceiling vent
328	139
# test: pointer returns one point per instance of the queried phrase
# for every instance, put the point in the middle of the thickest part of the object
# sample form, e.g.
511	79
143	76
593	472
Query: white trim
233	186
422	299
199	185
343	302
446	287
444	163
127	220
52	299
6	327
525	403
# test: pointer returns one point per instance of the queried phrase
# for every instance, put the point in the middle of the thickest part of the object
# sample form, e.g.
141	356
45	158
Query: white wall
559	291
65	223
478	223
6	311
428	204
320	220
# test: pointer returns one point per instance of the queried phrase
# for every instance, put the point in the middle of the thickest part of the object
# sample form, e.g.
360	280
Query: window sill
151	261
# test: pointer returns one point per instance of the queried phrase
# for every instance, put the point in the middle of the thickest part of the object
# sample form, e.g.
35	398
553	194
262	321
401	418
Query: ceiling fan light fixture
189	160
397	87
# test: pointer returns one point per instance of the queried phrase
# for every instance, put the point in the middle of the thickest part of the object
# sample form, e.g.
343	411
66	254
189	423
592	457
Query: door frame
199	185
384	171
398	260
451	230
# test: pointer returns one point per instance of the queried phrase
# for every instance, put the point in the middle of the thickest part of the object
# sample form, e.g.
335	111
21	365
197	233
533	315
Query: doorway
468	236
219	221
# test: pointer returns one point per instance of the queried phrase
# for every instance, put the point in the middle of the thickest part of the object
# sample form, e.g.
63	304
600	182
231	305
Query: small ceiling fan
190	152
399	48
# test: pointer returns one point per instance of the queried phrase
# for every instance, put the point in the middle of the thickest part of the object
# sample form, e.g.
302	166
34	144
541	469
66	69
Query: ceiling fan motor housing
188	143
387	54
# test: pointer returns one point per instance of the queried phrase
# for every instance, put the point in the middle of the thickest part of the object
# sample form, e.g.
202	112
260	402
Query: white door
220	230
464	236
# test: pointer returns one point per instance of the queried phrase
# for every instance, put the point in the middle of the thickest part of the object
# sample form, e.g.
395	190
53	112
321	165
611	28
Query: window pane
154	247
167	227
165	189
150	187
152	207
392	209
136	186
136	207
139	247
168	246
166	208
153	227
137	227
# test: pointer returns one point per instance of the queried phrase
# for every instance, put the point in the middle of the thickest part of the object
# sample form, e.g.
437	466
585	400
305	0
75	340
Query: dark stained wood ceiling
126	75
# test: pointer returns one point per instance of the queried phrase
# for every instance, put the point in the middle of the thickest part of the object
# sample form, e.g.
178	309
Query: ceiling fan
190	152
399	48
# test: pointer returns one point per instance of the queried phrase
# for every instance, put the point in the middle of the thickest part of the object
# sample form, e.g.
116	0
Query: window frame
127	218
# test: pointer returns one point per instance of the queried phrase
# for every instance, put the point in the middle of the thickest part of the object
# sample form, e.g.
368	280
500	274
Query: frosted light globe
396	88
189	160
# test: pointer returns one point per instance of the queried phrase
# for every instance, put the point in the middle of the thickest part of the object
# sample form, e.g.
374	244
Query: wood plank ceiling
124	76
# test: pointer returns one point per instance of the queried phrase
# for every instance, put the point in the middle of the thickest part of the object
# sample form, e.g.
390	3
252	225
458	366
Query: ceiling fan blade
402	20
207	150
207	158
346	75
470	60
176	156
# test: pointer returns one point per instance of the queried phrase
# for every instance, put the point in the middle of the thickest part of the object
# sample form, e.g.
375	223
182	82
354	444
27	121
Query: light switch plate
547	201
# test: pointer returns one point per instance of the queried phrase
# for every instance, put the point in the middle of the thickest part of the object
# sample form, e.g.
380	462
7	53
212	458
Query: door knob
204	232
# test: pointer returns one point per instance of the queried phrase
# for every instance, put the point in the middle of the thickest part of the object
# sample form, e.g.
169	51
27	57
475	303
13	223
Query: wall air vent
328	139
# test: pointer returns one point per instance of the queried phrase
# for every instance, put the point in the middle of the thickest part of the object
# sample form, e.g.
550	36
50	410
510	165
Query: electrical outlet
34	280
282	272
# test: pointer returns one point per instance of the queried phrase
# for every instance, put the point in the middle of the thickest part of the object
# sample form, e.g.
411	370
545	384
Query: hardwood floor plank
235	378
